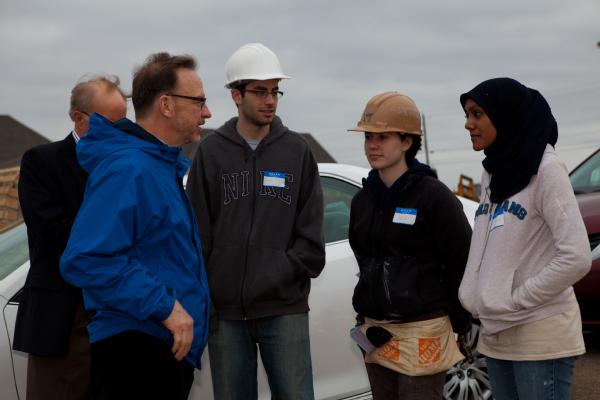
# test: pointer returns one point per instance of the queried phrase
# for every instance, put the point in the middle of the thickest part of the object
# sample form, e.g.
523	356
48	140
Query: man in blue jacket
134	247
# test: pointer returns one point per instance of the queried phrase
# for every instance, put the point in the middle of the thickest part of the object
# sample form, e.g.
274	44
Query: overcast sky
339	53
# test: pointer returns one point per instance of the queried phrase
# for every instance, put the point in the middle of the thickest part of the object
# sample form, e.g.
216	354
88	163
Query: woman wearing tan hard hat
411	240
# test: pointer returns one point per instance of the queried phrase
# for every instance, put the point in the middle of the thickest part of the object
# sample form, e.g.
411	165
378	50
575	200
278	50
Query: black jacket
409	270
51	187
262	244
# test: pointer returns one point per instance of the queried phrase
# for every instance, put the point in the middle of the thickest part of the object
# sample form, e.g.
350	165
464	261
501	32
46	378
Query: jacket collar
229	131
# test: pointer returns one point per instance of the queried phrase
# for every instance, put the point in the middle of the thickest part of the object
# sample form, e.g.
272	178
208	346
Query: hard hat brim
381	130
265	77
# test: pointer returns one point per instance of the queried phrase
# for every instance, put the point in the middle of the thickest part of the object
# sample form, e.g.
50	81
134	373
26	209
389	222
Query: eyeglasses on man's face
201	101
263	93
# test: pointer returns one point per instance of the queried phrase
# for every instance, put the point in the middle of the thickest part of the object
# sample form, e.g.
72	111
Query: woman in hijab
529	245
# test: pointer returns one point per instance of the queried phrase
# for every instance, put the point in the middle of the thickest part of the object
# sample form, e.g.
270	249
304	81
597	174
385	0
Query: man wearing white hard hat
255	188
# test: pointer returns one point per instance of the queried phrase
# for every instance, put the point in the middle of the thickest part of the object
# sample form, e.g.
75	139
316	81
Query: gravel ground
586	378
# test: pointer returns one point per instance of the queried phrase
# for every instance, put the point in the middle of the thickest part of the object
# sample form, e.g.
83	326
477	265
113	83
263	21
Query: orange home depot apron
416	348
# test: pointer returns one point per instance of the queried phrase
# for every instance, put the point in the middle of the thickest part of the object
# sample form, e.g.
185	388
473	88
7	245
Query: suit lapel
70	157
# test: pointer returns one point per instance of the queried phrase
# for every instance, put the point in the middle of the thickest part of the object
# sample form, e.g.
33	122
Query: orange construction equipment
466	188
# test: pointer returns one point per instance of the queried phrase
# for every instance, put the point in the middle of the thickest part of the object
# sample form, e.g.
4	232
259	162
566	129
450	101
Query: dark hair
414	147
240	85
156	76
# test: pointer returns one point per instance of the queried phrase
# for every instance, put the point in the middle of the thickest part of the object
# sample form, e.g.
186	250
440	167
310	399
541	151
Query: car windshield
586	177
14	250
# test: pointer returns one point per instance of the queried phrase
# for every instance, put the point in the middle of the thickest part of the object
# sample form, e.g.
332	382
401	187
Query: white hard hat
253	61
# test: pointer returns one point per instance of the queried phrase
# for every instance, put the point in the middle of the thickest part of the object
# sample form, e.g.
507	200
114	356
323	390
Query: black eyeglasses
200	100
262	94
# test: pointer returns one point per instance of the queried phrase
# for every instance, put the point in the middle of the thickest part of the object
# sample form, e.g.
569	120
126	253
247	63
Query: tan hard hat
390	112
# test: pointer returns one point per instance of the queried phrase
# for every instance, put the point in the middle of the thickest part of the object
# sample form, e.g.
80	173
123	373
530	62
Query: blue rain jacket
134	246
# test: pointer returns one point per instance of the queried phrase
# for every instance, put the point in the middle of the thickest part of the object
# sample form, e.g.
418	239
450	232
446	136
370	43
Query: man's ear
166	105
78	117
236	95
80	121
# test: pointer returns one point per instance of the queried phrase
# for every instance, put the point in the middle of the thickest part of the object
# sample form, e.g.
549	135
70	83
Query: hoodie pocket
389	288
225	275
496	294
273	277
401	275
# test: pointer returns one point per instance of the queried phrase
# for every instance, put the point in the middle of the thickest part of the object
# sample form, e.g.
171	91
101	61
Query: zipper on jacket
190	212
253	195
378	232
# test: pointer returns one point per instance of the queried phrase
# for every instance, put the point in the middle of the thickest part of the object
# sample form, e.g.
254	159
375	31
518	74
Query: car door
338	370
14	264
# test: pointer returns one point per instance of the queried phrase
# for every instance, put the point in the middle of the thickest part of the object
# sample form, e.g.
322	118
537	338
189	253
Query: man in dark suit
51	321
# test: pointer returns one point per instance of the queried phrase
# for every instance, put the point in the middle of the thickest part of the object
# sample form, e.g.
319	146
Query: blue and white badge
497	219
275	179
405	216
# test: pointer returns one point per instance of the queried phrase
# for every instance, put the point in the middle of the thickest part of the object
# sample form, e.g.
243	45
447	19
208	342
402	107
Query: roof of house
321	155
15	139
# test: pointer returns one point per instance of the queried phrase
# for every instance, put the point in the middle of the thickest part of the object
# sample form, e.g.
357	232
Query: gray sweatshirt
260	218
527	252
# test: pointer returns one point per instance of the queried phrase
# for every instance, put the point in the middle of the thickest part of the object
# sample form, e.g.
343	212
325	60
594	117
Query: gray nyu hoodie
260	216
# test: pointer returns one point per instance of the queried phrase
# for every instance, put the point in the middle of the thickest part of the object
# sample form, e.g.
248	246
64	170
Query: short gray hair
84	90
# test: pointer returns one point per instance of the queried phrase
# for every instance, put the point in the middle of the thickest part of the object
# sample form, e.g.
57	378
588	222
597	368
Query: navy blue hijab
524	125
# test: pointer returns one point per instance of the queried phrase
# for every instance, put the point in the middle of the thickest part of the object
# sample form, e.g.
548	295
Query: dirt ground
586	378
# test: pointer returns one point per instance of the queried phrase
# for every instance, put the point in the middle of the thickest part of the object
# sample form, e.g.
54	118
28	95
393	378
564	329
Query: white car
338	368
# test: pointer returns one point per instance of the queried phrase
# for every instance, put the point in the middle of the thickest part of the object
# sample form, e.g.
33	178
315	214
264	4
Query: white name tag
405	216
275	179
497	219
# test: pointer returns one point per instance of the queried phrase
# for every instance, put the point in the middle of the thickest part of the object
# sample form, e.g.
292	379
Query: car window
586	177
14	250
337	196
